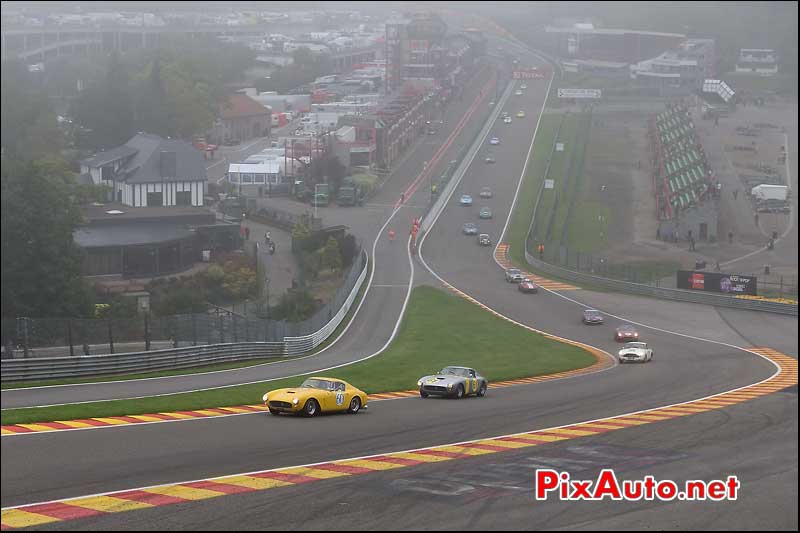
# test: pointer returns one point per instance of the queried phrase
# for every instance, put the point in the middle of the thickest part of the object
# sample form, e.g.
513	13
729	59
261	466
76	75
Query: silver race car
453	381
635	352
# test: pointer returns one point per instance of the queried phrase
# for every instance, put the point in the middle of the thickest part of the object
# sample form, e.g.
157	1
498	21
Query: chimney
168	164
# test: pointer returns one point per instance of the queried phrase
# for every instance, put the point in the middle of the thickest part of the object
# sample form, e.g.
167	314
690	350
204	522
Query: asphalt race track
756	440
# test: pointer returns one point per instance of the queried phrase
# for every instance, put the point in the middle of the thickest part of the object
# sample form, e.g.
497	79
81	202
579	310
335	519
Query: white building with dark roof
150	171
757	61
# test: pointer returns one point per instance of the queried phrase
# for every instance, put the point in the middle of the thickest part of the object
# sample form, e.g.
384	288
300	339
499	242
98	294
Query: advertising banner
733	284
579	93
528	74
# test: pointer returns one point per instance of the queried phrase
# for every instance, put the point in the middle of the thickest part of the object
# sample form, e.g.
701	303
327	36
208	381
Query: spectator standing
730	236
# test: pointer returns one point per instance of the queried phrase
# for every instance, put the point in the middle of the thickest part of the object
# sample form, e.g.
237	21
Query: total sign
579	93
532	74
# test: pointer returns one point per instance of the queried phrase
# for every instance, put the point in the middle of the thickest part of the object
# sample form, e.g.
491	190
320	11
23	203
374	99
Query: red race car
626	333
526	285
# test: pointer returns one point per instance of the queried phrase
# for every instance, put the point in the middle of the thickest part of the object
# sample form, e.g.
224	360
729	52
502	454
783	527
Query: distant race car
485	213
635	352
518	93
507	120
523	86
486	192
315	395
513	275
592	316
484	240
494	140
504	114
526	285
453	381
466	199
431	131
626	333
490	159
520	114
470	229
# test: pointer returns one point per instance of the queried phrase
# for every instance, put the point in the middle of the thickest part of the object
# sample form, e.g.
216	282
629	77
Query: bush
295	305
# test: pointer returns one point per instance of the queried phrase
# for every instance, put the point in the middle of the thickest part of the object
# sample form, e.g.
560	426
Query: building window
260	178
234	177
108	173
183	198
155	199
247	177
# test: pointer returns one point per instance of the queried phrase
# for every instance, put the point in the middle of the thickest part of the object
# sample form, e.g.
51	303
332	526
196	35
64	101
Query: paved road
756	440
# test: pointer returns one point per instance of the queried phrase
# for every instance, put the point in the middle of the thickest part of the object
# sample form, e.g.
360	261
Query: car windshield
316	384
626	328
513	271
453	371
635	345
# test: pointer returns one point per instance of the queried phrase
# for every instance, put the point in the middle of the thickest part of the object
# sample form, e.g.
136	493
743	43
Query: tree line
173	91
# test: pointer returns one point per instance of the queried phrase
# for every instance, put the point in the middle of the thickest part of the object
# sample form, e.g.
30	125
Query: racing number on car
339	398
474	385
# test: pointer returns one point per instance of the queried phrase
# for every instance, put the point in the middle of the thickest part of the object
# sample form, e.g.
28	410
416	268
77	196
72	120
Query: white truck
764	192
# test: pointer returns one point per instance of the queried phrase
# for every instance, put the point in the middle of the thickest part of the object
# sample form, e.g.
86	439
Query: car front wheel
460	392
311	408
482	390
423	394
355	405
274	412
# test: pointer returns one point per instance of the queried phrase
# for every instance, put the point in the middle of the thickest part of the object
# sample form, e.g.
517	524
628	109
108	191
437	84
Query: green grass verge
192	370
523	211
144	375
588	227
439	329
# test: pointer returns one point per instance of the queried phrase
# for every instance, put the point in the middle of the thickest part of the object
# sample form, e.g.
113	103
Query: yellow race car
520	114
315	395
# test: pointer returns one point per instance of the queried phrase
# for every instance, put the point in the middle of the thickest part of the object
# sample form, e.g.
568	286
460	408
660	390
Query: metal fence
661	292
63	367
56	337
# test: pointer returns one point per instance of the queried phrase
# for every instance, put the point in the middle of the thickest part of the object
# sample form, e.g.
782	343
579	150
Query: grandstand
685	187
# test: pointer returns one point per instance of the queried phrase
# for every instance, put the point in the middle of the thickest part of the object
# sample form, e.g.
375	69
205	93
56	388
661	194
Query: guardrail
440	202
718	300
298	345
30	369
91	365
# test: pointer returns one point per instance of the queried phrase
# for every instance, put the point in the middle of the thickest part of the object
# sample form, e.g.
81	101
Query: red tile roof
240	105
